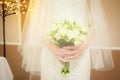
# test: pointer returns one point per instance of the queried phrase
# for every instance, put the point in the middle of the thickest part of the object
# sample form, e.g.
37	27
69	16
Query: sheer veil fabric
43	13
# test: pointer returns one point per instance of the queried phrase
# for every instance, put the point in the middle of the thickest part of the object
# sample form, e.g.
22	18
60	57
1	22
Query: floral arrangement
67	33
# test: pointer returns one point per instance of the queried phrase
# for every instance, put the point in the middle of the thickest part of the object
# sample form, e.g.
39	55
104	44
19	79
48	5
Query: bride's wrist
52	47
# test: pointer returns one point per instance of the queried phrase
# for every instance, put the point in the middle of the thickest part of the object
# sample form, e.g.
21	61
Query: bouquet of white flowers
66	33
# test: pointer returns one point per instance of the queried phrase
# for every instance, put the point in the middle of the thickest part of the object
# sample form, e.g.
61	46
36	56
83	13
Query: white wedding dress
40	61
79	68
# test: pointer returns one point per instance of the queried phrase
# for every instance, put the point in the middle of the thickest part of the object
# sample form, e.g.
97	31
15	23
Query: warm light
23	12
13	7
1	2
24	1
26	6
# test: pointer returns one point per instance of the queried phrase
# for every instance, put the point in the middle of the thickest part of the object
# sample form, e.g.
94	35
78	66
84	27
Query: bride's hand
68	53
60	53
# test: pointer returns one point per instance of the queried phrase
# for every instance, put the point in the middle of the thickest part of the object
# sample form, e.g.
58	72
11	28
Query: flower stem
65	70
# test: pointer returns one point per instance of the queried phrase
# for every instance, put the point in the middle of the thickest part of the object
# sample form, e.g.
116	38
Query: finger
62	64
70	53
69	47
64	52
61	52
72	57
62	59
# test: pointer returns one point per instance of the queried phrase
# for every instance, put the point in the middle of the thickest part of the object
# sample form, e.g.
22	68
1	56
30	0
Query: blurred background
112	11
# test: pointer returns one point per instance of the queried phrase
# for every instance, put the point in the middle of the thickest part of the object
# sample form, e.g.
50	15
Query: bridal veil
35	27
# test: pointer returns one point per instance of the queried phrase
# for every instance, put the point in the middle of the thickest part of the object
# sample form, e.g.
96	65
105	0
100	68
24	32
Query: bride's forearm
56	50
51	46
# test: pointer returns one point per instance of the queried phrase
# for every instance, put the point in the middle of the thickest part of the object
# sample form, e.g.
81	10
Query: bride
43	58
